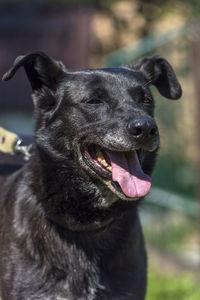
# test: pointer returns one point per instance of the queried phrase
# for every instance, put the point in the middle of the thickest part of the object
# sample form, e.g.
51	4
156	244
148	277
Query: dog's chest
72	289
83	280
79	279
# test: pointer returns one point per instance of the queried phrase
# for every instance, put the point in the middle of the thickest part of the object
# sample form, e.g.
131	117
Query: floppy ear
40	69
158	71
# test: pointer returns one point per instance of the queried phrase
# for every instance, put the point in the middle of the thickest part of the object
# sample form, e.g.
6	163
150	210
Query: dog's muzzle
120	167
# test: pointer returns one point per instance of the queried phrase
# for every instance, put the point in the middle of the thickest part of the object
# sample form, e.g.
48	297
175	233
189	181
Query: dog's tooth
109	168
104	163
101	159
100	156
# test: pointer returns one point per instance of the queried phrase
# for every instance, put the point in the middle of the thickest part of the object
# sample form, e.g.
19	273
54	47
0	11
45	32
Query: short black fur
66	230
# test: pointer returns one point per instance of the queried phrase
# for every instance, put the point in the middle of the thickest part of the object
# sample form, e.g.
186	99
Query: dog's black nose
144	128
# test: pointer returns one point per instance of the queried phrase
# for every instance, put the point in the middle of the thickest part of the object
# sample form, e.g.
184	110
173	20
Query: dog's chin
95	160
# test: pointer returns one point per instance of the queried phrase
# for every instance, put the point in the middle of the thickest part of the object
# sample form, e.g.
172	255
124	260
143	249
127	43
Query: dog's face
101	118
109	113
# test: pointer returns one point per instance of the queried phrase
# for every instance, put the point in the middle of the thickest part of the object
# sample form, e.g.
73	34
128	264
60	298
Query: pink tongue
126	170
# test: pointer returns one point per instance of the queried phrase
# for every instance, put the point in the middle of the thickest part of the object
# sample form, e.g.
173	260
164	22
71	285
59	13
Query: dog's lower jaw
117	195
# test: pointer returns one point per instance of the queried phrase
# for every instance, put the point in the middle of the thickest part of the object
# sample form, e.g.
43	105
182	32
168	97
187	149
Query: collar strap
96	226
78	227
8	140
10	143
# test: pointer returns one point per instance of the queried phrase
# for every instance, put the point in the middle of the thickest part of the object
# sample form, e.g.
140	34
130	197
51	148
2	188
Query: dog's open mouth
122	169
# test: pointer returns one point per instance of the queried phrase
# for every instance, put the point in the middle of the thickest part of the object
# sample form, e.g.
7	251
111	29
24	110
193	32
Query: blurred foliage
155	7
168	287
148	13
170	234
175	174
151	10
97	3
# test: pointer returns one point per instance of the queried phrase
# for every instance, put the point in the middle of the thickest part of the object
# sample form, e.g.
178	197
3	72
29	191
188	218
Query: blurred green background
113	33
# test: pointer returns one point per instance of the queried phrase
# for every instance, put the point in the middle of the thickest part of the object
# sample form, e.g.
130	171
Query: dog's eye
95	101
147	100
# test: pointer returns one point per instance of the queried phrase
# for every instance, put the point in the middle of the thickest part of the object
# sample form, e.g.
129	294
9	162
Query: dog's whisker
147	83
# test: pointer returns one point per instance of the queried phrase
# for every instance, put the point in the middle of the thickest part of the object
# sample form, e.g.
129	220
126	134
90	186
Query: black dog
69	226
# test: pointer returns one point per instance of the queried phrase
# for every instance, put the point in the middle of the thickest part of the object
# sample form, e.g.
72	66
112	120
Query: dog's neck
68	196
58	248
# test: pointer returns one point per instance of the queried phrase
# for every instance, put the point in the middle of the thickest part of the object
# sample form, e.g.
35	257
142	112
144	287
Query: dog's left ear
41	70
158	71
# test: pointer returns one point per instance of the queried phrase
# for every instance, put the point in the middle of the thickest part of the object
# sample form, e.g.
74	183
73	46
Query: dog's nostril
142	129
136	131
153	132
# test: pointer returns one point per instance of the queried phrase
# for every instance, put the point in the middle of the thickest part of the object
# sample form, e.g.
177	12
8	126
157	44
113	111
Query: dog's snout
142	128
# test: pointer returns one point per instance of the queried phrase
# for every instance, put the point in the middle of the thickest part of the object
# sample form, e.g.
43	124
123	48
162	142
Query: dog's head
101	118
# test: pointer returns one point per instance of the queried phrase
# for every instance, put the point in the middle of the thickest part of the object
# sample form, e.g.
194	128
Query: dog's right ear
42	71
157	71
